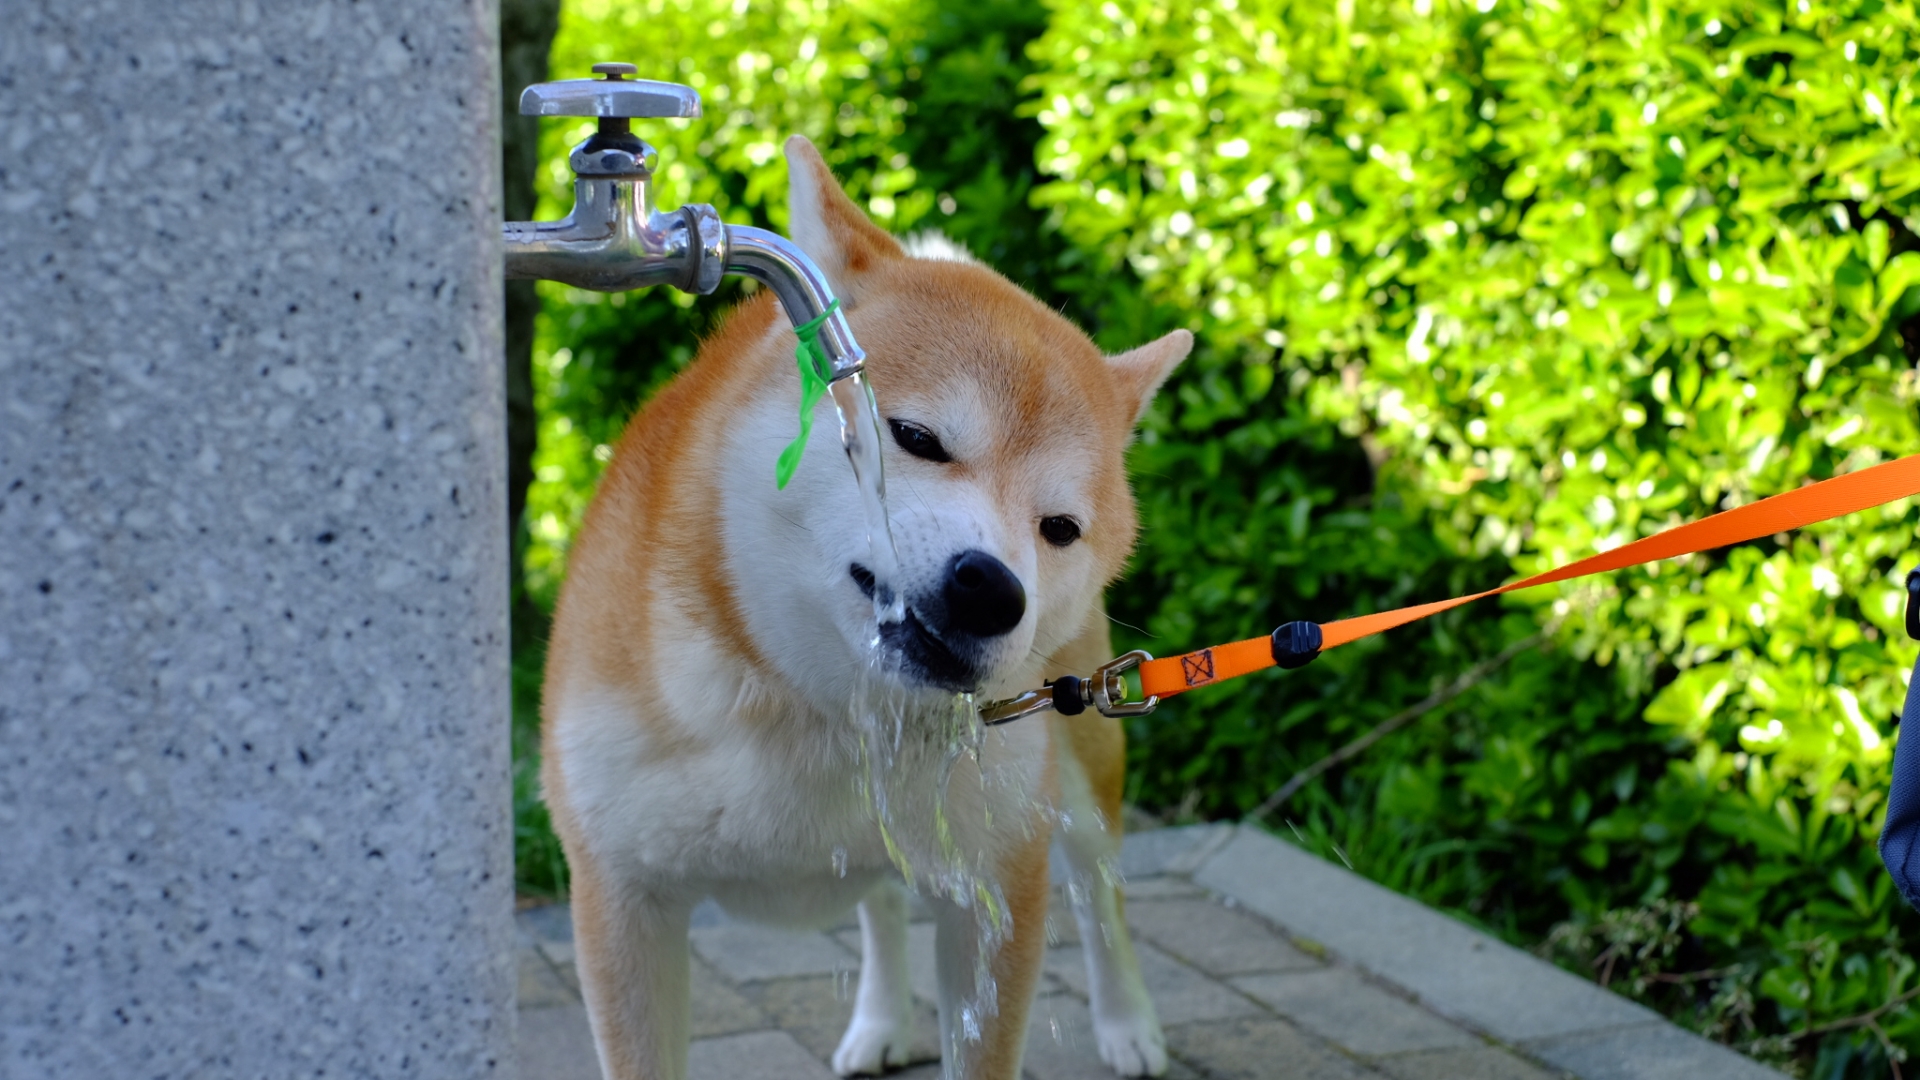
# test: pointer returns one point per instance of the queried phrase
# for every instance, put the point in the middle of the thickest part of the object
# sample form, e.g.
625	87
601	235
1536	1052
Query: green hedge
1479	288
1574	272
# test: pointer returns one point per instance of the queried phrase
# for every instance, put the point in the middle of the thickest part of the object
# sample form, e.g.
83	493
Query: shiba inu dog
717	719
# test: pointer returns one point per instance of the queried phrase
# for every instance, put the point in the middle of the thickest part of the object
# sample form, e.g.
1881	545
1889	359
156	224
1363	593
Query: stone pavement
1263	960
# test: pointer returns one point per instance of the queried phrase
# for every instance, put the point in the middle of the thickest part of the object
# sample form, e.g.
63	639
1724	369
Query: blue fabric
1900	840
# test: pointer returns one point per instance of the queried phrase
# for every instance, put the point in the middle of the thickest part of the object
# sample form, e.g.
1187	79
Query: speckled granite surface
253	737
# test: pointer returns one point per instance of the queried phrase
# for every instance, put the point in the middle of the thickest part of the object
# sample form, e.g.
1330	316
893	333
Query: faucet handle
614	96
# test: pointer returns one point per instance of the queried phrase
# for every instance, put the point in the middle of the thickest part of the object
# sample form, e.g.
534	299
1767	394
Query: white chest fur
732	802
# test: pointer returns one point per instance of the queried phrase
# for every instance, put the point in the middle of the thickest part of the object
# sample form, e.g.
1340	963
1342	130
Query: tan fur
656	658
1017	965
1098	742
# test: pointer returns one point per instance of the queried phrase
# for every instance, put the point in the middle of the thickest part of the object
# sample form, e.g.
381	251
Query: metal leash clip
1105	690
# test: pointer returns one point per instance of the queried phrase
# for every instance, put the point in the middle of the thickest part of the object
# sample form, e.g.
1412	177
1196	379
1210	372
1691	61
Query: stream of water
901	744
860	435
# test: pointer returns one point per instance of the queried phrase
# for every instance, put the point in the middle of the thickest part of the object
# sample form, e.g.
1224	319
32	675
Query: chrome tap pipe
613	241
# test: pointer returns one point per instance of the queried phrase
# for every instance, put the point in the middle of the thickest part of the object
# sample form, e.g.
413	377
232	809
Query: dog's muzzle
947	635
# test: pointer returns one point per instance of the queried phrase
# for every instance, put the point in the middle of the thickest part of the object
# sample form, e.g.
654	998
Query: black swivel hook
1913	604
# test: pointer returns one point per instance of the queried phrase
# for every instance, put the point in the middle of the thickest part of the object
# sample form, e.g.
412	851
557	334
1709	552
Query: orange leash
1828	499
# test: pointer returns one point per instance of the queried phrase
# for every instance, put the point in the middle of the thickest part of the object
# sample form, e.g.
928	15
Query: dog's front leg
983	1033
632	952
1125	1027
881	1030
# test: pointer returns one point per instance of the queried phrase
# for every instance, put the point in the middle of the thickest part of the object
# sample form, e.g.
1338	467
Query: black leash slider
1068	698
1295	644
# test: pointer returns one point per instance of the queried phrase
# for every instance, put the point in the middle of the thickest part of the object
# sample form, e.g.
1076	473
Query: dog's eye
1060	531
918	441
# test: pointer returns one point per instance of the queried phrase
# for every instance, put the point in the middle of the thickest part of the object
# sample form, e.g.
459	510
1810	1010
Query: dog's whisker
781	514
912	489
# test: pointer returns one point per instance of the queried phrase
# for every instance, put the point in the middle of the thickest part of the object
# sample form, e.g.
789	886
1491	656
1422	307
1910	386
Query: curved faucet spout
778	263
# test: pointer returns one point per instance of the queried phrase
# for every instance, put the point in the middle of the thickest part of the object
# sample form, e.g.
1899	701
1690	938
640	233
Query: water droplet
840	862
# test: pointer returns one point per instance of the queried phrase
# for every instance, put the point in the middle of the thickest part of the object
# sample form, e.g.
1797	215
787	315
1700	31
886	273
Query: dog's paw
871	1047
1132	1045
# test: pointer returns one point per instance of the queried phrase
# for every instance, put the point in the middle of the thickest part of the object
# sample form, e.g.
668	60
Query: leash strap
814	371
1828	499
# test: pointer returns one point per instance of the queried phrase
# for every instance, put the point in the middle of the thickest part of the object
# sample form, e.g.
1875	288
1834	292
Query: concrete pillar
253	722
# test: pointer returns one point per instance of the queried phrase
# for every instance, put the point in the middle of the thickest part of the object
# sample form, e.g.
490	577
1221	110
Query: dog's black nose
982	596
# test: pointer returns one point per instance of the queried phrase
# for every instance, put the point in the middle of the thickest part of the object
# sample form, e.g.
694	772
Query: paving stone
1472	1063
1258	1048
717	1008
558	953
539	985
1062	927
1453	968
1060	1043
571	976
755	1055
815	1011
547	923
707	914
556	1044
1647	1052
1170	851
1162	888
1216	939
745	951
1180	994
1338	1005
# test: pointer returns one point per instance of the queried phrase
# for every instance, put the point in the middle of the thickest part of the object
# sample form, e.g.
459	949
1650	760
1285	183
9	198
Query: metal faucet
614	240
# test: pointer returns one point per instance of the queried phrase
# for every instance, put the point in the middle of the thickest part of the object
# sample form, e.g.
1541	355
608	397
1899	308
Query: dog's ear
828	226
1141	371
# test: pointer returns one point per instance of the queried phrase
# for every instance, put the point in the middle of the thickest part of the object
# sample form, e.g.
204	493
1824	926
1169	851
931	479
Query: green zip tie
814	372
